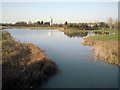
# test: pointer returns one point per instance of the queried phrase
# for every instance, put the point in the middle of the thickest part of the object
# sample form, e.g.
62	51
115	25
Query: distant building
91	24
50	20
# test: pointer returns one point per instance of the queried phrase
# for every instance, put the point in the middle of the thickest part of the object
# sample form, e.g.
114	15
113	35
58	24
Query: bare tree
110	22
115	23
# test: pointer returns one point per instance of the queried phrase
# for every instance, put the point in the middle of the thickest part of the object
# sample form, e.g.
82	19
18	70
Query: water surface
77	64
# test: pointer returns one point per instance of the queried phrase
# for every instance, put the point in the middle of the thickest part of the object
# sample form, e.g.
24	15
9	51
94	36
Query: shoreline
25	27
56	28
24	65
105	50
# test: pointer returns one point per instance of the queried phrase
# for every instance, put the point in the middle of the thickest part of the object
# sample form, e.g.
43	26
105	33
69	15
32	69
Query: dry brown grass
24	65
105	50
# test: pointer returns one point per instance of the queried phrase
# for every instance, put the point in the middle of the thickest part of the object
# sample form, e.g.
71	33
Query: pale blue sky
59	11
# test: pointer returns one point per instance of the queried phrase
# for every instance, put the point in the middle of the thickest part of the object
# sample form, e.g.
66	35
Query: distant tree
21	23
95	27
41	22
70	25
35	24
115	23
103	25
6	24
47	23
65	23
3	24
110	22
55	25
60	25
38	22
84	26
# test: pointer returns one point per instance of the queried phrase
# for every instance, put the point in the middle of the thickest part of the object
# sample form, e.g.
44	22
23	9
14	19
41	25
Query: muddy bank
24	65
105	50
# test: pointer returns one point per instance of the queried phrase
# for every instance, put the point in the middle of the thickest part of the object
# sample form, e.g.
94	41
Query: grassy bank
25	27
24	65
58	28
4	36
113	37
105	46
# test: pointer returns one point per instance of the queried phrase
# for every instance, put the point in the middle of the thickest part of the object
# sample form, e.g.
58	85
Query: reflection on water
101	33
49	33
84	34
76	34
73	59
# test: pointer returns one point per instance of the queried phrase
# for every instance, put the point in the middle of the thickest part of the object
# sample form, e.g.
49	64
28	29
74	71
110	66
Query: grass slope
106	47
113	37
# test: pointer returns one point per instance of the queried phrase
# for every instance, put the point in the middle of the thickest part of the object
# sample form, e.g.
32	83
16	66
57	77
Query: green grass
113	37
2	36
105	46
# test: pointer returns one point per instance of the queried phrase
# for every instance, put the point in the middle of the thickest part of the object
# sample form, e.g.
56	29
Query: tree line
23	23
111	24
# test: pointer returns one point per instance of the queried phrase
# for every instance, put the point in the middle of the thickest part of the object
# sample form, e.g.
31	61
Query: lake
78	67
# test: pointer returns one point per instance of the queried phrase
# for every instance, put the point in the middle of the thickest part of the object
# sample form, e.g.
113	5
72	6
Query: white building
50	20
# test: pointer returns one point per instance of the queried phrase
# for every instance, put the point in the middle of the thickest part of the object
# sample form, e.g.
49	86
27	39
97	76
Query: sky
60	0
73	12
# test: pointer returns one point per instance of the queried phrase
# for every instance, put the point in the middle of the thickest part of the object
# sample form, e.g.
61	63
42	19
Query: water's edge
78	68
